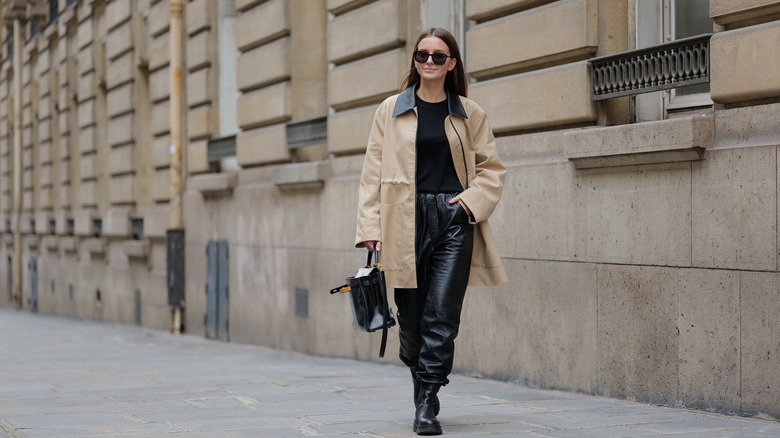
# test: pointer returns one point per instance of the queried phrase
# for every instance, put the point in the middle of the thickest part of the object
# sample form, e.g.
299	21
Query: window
222	150
690	18
54	10
661	21
33	29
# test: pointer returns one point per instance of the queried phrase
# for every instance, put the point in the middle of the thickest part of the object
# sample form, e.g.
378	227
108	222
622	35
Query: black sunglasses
438	58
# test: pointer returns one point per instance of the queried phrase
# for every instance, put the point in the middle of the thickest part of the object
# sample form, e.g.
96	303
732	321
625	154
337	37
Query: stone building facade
638	224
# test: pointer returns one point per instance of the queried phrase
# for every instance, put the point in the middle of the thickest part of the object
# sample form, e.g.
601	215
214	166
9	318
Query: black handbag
368	294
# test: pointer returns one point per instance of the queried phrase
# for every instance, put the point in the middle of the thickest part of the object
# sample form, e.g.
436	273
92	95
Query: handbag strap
385	307
344	288
384	329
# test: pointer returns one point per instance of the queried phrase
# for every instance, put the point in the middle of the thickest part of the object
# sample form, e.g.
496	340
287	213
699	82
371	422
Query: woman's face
428	70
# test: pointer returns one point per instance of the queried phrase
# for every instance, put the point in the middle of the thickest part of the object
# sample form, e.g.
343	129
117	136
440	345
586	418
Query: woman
431	179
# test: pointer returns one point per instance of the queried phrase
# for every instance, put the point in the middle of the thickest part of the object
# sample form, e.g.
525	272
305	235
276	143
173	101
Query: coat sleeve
368	219
485	189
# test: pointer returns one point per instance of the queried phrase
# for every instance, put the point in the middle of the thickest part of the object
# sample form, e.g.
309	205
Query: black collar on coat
405	102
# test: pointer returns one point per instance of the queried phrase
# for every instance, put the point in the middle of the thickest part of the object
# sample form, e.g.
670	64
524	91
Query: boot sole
431	429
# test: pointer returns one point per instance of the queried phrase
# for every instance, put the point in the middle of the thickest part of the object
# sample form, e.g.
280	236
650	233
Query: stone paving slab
63	377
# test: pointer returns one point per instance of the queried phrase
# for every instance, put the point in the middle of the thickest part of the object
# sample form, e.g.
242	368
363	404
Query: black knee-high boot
416	386
425	422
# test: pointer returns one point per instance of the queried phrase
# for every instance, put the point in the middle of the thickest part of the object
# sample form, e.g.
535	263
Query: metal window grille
677	64
307	132
220	148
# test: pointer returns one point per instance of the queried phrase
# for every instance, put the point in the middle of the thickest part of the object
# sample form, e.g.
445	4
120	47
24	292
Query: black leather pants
429	316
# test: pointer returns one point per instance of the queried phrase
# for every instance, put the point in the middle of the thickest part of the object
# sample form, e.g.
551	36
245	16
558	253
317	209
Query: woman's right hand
371	244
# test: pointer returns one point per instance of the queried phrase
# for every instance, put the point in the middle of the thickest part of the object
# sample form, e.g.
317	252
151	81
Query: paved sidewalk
62	377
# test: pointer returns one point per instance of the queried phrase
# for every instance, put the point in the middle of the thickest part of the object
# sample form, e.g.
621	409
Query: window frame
687	102
652	23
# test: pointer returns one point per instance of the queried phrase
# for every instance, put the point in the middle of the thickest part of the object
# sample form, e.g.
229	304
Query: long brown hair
455	79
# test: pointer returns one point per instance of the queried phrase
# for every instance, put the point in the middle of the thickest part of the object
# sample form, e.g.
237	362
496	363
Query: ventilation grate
307	132
221	148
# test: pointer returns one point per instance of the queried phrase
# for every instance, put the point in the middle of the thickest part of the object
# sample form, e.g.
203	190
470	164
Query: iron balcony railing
680	63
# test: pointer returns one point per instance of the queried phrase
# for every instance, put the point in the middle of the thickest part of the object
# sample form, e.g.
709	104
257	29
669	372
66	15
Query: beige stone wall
200	89
643	258
88	163
517	64
744	64
263	30
366	66
609	263
740	13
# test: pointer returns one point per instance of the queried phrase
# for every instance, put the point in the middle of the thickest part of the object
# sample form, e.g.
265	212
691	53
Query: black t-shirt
435	169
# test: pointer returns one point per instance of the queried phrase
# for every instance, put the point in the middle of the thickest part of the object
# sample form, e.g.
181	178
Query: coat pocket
395	191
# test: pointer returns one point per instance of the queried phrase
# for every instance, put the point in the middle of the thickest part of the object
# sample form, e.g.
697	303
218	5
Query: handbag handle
344	288
376	258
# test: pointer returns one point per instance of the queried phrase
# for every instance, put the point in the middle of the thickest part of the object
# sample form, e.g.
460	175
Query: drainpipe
17	275
176	103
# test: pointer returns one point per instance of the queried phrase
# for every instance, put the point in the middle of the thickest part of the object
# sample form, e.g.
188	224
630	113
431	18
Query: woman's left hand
462	204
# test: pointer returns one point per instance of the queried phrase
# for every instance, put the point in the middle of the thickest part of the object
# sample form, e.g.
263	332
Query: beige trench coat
386	204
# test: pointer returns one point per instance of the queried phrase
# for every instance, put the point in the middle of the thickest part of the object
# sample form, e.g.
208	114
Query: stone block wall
642	257
366	66
263	31
88	161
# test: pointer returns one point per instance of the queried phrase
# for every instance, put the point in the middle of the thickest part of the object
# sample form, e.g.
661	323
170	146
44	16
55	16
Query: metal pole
17	275
176	130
